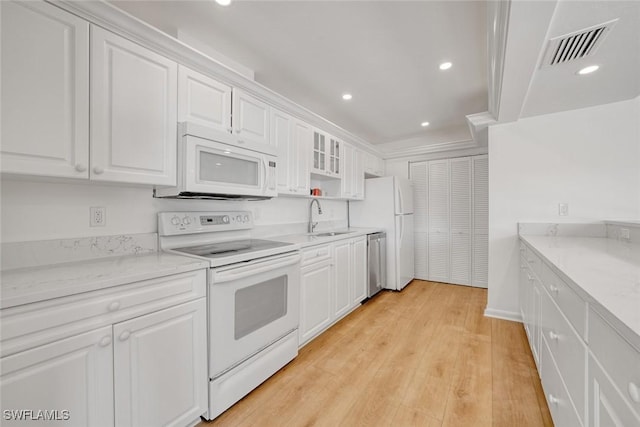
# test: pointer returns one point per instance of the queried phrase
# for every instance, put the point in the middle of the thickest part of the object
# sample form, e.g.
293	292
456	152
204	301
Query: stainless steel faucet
312	225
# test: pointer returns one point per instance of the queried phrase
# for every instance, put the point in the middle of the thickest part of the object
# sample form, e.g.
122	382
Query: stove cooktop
235	248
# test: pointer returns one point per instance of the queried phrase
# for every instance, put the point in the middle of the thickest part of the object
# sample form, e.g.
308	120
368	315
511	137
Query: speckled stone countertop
603	271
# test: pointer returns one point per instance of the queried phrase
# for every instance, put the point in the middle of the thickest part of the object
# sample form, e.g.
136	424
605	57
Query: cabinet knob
530	277
553	336
105	341
634	391
124	336
553	400
114	306
553	289
98	170
80	167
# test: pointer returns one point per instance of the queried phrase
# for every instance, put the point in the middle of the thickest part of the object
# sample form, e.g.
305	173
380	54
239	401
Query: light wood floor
425	356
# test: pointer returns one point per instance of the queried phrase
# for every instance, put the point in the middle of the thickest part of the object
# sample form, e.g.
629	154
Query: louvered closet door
460	218
480	265
438	217
420	219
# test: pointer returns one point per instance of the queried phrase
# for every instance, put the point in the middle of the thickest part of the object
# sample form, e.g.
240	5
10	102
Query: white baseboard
514	316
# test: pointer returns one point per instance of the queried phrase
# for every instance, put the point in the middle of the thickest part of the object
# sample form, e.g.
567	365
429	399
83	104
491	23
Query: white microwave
213	164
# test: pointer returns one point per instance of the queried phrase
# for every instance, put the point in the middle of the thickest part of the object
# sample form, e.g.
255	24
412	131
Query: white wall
588	158
45	210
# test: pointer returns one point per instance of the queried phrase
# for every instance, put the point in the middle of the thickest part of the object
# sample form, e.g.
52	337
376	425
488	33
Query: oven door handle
253	269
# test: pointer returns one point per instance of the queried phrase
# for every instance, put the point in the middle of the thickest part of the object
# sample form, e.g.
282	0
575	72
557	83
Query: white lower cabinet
160	367
72	376
589	378
136	368
333	283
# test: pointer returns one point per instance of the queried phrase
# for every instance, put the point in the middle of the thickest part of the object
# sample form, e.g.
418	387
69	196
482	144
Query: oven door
251	305
214	167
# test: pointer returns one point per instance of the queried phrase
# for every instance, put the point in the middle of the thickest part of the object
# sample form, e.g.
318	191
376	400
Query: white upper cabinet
320	144
334	167
373	165
251	117
133	112
45	91
293	139
352	173
203	100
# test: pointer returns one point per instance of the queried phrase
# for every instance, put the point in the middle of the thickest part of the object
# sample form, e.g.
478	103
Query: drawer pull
105	341
124	336
553	336
553	289
114	306
634	392
530	277
553	400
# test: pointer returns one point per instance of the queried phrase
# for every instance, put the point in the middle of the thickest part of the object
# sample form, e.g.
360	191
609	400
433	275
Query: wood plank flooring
425	356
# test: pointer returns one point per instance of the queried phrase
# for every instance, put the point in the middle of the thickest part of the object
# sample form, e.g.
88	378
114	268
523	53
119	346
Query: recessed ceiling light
589	69
347	96
223	2
424	124
445	65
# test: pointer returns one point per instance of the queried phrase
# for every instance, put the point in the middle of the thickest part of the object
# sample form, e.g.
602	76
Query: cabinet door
342	278
319	160
281	137
160	363
45	91
358	175
420	219
347	181
250	118
203	100
607	406
359	270
74	375
438	203
133	112
460	220
480	252
315	299
299	157
335	147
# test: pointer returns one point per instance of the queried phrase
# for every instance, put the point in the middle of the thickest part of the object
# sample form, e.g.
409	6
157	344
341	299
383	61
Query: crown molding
430	149
119	22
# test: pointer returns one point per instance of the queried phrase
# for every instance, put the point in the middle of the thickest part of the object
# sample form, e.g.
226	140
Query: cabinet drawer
562	411
35	324
567	349
315	254
618	358
571	305
607	405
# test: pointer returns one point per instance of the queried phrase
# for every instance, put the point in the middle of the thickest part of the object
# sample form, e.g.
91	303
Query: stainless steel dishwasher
377	261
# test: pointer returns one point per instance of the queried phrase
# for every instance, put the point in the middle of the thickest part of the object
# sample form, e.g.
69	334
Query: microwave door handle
252	270
264	174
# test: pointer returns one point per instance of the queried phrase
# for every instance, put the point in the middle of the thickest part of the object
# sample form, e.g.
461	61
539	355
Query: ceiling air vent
576	45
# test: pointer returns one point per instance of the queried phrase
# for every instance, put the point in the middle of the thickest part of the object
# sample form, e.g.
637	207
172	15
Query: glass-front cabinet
326	154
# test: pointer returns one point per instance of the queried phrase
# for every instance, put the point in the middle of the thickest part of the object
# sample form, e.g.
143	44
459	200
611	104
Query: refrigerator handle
401	234
399	200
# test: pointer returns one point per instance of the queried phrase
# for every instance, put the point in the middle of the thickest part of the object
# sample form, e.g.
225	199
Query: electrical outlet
97	216
563	209
624	234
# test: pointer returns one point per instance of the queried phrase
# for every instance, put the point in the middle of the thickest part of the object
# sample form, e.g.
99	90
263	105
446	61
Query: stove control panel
173	223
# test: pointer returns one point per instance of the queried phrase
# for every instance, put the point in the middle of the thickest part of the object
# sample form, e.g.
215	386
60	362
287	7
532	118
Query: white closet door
480	267
438	202
460	217
419	177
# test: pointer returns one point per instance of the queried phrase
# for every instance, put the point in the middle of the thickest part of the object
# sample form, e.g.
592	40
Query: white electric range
252	296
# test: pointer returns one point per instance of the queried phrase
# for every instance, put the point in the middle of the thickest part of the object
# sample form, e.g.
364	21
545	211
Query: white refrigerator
388	205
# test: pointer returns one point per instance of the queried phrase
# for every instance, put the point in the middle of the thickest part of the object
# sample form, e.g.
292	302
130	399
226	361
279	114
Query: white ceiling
386	53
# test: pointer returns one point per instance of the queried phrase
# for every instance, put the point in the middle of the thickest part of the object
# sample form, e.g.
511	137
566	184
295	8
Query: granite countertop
605	272
306	240
32	284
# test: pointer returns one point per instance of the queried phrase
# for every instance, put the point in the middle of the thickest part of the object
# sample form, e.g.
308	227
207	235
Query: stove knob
246	218
225	219
239	218
175	220
186	220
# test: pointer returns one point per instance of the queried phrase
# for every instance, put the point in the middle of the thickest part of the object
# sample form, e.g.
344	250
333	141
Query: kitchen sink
332	233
